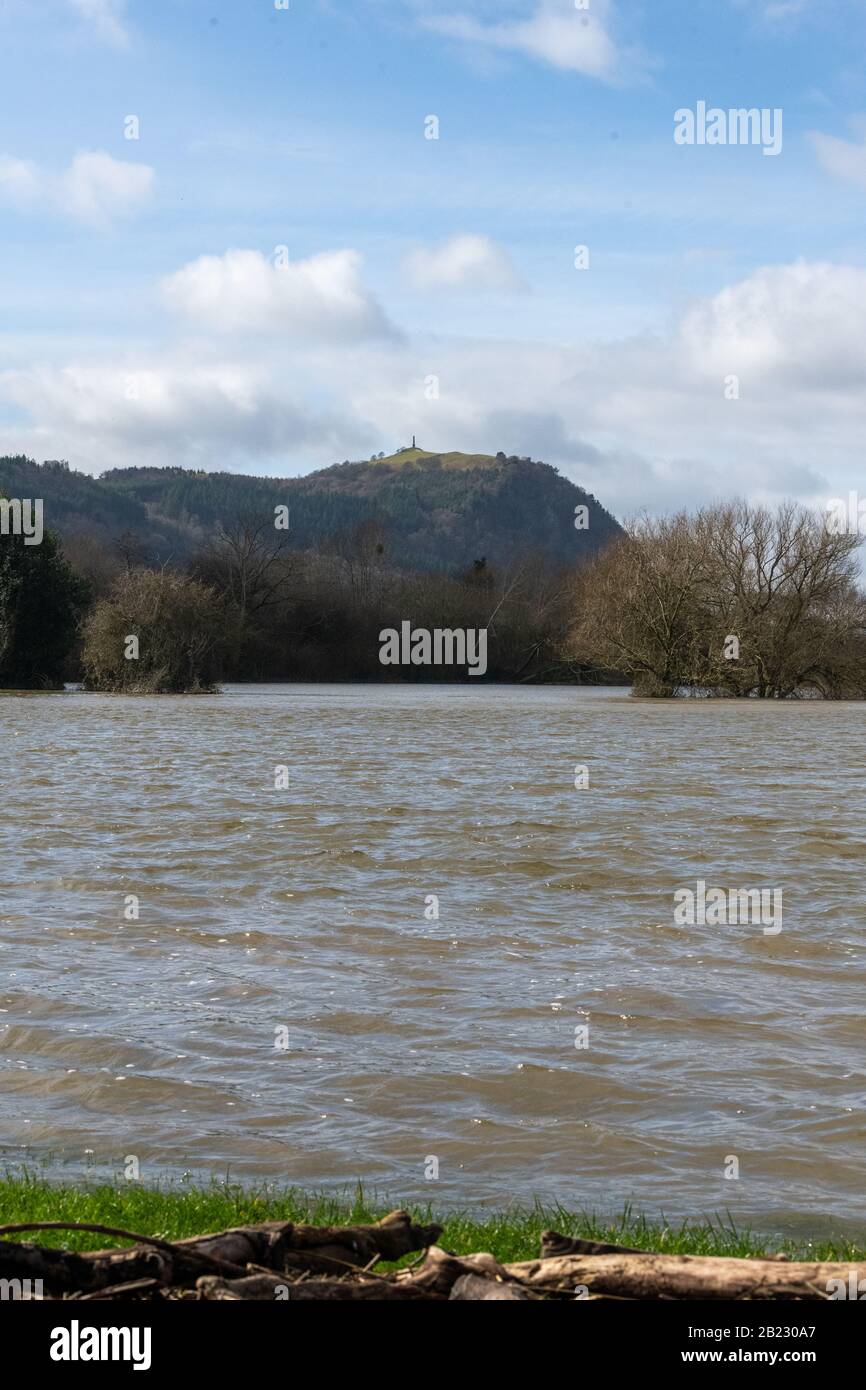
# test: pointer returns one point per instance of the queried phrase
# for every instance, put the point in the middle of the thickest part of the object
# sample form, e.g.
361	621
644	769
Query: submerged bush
157	633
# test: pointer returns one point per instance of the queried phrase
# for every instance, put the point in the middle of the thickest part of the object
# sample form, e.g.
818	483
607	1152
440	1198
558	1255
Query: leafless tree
249	562
638	605
361	553
785	587
738	599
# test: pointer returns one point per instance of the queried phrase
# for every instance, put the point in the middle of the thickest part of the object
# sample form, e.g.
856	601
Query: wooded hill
435	512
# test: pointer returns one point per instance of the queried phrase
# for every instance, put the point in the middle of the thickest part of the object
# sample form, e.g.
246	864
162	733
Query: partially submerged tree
159	632
784	585
736	600
639	606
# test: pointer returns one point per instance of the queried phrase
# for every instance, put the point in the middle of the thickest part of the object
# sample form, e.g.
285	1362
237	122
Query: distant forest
431	516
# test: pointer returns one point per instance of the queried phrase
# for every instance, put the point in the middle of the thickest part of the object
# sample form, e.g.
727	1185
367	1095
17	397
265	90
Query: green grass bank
513	1233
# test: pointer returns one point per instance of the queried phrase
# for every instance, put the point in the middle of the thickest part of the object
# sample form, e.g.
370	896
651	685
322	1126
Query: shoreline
512	1233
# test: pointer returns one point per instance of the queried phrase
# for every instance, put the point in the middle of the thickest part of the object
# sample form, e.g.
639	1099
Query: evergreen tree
41	600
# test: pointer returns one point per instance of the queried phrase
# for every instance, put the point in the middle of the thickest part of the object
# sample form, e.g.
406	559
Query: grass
456	461
173	1212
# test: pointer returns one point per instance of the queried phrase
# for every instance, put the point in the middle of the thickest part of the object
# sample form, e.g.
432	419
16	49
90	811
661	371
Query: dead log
434	1281
283	1261
441	1271
647	1276
61	1271
271	1288
149	1287
255	1287
552	1243
280	1246
169	1263
391	1238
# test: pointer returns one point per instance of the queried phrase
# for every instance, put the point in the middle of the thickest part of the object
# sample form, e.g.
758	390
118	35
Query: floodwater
287	1007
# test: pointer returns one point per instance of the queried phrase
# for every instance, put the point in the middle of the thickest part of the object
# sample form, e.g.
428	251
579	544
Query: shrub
178	624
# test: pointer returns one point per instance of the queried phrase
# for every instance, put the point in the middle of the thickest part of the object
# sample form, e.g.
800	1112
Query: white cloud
645	421
243	291
642	421
556	33
107	18
21	182
98	188
805	320
844	158
95	189
219	414
462	262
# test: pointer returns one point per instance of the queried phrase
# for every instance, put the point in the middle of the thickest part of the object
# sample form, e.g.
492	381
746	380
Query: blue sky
146	319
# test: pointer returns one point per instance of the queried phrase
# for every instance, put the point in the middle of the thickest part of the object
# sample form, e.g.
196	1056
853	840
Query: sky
228	240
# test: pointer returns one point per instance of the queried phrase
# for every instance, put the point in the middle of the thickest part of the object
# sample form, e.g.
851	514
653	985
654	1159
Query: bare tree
131	551
738	600
784	586
248	562
639	605
361	553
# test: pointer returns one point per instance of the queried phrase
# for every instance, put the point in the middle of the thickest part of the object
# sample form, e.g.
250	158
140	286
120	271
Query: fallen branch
552	1243
281	1246
643	1276
280	1261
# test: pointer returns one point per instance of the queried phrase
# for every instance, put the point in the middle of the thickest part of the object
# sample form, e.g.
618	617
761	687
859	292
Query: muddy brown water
405	1038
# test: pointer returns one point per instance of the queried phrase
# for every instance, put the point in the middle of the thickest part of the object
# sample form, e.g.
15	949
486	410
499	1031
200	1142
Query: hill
433	512
404	458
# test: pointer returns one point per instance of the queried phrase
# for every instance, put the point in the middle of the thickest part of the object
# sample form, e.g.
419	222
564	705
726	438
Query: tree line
734	600
248	607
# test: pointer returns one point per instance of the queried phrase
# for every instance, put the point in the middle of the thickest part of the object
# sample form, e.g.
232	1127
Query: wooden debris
648	1276
287	1262
552	1243
275	1245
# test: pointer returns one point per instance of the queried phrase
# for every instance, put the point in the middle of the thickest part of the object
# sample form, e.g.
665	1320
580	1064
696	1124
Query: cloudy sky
282	270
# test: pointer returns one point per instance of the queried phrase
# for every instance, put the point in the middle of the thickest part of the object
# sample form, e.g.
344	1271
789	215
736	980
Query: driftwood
282	1261
270	1288
435	1279
275	1245
622	1275
642	1276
